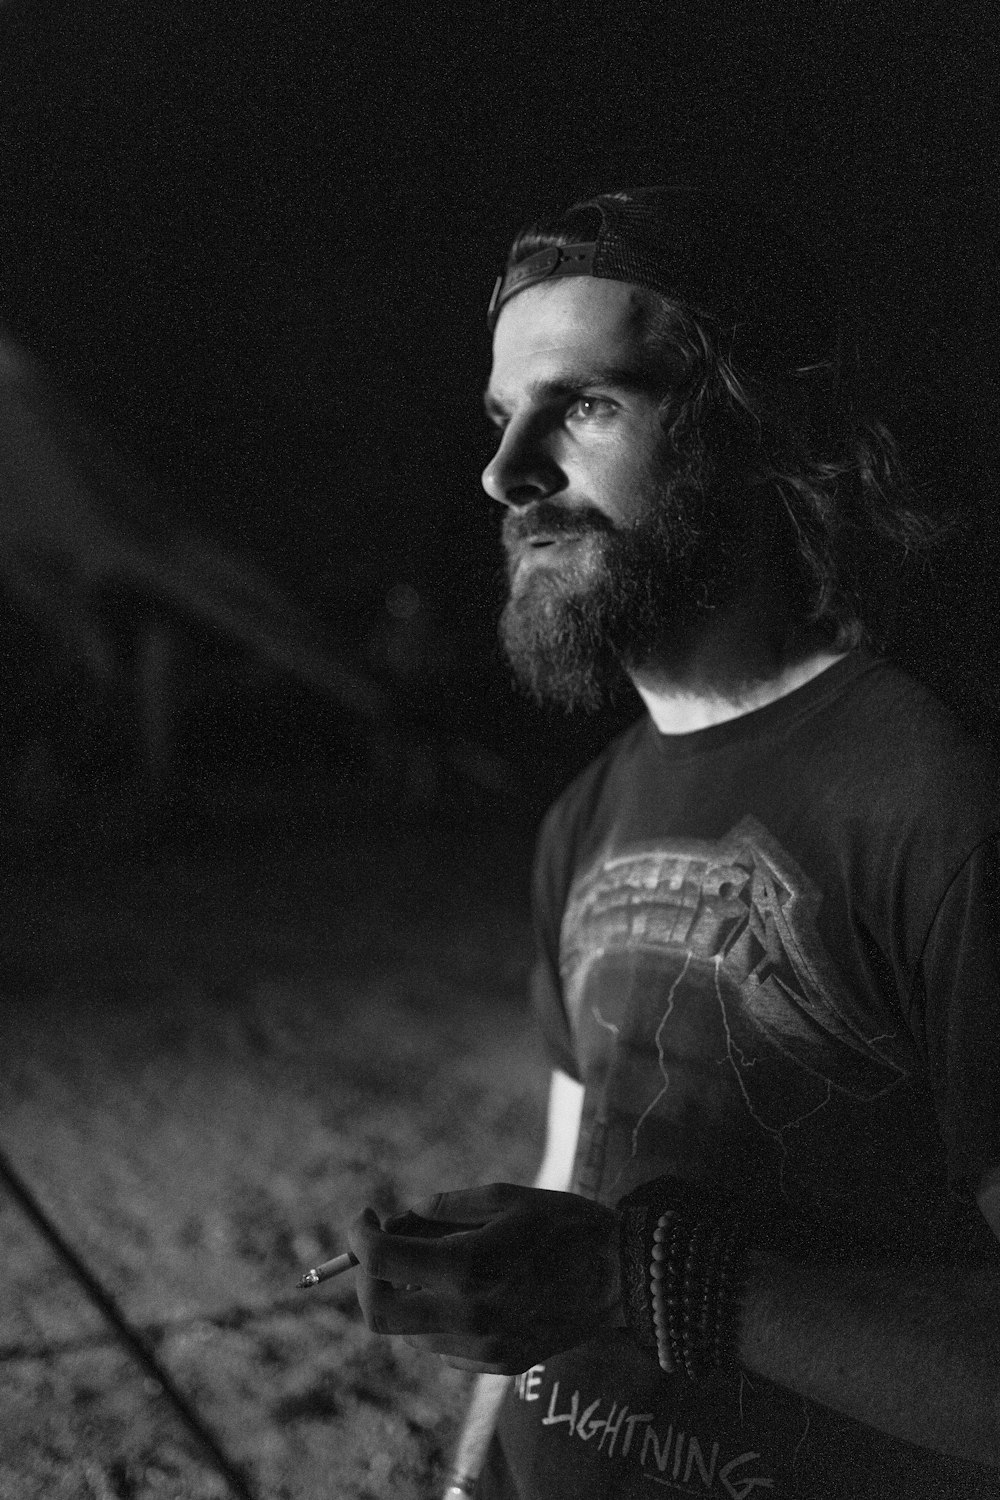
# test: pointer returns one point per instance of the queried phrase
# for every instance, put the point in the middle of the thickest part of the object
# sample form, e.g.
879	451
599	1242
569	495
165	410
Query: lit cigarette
329	1268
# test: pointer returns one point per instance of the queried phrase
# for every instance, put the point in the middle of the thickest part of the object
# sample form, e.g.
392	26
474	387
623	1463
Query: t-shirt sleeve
547	900
960	973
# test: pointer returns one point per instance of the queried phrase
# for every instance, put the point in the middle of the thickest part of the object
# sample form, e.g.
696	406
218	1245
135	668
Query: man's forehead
581	308
572	324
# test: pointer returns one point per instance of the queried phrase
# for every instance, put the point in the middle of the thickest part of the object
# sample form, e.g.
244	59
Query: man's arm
562	1131
556	1171
911	1351
915	1354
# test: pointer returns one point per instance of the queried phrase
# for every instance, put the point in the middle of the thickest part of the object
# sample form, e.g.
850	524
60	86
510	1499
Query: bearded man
761	1253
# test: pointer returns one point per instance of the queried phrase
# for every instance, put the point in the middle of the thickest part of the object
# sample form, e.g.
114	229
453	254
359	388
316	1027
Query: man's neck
700	697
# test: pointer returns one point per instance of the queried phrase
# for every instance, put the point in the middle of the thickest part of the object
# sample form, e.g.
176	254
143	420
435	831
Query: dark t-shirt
769	950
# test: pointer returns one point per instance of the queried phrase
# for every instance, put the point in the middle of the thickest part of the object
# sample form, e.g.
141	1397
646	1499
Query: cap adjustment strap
555	260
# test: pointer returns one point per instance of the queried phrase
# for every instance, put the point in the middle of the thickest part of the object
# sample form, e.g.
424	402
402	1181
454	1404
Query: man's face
610	559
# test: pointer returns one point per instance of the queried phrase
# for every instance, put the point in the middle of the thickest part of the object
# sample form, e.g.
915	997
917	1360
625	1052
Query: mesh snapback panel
725	261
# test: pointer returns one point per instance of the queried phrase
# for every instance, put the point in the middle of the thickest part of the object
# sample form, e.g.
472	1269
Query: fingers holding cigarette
409	1223
327	1269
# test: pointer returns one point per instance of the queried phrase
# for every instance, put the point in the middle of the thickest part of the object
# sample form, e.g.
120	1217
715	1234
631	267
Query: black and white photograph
499	751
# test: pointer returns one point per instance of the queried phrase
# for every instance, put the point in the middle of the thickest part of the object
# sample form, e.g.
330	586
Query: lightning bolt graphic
608	1025
740	1063
885	1036
662	1063
744	1382
798	1445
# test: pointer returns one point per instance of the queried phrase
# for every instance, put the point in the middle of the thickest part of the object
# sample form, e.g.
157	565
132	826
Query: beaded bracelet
665	1239
681	1275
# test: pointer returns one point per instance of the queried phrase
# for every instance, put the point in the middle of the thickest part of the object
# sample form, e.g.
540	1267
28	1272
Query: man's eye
589	407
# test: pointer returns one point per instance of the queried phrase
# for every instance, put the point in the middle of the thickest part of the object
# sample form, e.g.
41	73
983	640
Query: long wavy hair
850	511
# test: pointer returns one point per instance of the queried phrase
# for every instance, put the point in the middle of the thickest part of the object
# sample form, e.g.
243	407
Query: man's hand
493	1279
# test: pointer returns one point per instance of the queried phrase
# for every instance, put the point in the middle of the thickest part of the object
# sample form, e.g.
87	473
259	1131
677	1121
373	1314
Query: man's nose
521	470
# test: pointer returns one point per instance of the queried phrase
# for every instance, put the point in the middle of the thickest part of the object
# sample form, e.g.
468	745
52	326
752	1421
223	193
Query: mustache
543	518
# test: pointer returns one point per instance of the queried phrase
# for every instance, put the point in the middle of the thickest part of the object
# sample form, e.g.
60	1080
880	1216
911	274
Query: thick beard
653	584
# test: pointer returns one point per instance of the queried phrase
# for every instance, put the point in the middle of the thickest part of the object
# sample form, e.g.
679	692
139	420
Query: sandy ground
211	1061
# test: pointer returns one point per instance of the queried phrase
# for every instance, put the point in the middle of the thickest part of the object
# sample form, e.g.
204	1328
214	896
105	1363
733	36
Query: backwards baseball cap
719	258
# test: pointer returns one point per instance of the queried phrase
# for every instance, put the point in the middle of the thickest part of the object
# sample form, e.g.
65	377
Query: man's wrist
683	1277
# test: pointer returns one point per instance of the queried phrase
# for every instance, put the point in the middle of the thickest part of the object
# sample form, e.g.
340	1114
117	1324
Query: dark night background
254	245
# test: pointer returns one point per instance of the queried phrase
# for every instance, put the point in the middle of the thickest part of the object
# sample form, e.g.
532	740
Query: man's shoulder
906	735
576	800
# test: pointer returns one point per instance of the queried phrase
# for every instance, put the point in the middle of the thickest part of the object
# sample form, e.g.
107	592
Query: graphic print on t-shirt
693	975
